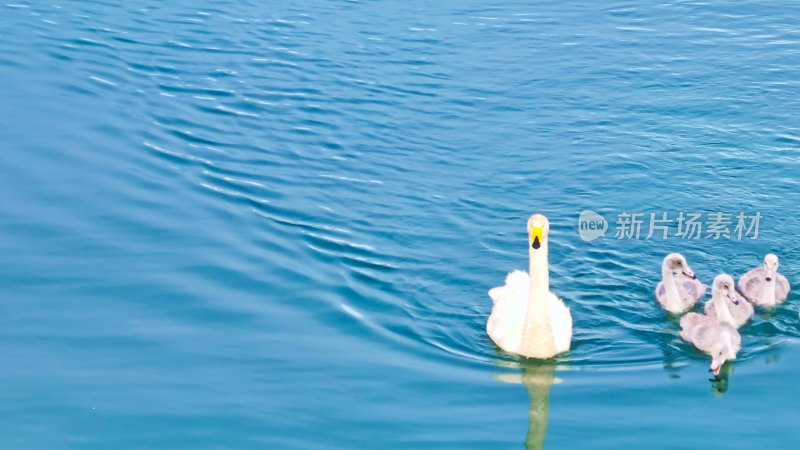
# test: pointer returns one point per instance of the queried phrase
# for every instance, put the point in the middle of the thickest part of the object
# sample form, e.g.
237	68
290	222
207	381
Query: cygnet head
722	351
538	229
723	287
675	262
771	264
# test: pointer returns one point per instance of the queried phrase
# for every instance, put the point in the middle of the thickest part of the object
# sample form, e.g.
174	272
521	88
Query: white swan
741	311
764	286
528	319
679	290
715	335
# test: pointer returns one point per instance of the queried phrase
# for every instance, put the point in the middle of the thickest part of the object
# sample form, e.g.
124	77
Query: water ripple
368	172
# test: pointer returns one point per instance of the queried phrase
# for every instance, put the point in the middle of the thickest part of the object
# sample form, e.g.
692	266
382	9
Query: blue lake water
274	224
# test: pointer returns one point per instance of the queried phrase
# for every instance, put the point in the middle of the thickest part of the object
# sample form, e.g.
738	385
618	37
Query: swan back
690	292
718	339
752	285
679	289
741	313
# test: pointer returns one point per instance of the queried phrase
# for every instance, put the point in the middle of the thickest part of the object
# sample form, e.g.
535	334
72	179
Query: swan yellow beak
536	237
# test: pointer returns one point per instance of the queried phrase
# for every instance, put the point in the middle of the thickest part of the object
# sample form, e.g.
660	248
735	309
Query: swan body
741	311
717	334
764	286
679	290
510	304
527	319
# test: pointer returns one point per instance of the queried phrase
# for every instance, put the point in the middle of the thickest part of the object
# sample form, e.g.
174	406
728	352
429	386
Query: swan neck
723	313
537	335
539	272
768	293
673	297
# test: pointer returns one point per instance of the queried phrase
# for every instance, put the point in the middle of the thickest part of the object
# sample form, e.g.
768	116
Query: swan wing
750	284
692	290
706	335
661	294
561	319
507	319
744	310
736	341
690	323
781	288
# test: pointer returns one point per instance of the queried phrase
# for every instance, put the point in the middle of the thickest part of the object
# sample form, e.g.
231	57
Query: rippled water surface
274	224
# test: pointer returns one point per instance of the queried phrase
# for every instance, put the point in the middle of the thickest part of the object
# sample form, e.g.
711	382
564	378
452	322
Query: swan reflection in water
675	362
719	384
537	378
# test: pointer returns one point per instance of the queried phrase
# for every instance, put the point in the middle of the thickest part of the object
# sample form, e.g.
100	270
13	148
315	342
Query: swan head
676	263
771	264
722	351
538	229
723	287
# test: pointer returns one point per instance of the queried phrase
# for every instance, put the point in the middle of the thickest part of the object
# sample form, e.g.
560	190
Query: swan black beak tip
536	243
